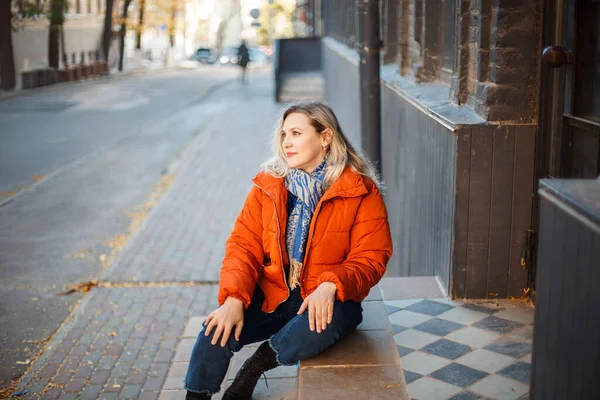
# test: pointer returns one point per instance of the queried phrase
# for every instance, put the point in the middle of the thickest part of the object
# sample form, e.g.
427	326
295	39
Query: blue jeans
290	337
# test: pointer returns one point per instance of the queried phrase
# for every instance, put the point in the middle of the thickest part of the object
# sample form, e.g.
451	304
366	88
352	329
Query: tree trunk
107	32
172	23
57	19
122	33
7	60
140	27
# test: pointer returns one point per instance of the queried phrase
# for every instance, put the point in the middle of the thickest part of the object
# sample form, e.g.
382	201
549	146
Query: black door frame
550	140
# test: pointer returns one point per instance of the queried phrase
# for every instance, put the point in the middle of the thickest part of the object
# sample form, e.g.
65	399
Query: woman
243	55
308	245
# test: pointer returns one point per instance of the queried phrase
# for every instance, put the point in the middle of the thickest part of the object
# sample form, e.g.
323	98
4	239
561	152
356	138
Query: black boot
247	377
197	396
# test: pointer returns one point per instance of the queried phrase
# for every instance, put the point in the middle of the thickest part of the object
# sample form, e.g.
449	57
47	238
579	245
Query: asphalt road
75	161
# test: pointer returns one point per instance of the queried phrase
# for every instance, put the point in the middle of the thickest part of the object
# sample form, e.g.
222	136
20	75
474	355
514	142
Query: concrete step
365	365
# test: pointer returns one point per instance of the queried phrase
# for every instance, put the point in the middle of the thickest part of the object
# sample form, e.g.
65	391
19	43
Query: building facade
472	117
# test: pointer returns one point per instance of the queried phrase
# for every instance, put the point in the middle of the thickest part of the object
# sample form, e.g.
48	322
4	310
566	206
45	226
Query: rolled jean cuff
202	391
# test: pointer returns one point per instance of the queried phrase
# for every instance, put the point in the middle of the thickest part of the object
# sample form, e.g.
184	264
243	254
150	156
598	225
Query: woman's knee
204	340
347	316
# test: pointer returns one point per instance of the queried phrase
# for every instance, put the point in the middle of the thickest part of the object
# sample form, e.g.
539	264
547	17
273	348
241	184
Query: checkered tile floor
463	350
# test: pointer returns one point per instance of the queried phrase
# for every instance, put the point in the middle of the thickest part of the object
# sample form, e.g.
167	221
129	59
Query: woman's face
302	145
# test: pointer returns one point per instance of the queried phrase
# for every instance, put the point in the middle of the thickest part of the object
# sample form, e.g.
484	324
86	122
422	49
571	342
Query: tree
7	60
57	19
122	33
140	27
107	30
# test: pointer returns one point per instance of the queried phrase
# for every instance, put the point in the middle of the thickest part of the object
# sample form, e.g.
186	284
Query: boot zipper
278	243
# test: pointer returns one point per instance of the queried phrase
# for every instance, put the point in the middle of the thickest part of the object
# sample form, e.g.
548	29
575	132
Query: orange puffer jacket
349	242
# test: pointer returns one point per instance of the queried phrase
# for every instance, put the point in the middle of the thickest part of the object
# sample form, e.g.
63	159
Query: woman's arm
370	250
244	254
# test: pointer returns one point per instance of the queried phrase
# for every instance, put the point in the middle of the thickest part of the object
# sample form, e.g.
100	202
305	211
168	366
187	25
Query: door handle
556	56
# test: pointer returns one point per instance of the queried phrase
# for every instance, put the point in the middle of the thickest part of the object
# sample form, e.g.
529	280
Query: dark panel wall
299	54
342	90
494	185
566	350
419	159
459	190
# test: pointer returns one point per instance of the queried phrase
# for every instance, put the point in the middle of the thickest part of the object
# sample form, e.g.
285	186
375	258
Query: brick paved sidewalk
128	339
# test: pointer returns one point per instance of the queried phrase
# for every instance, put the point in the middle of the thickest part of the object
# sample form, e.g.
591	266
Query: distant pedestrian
243	55
311	240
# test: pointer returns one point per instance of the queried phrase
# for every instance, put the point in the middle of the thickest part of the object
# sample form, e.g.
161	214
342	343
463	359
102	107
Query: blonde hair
341	151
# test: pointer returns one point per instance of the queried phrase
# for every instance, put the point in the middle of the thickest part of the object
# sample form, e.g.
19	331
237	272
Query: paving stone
520	371
510	347
194	327
401	303
524	334
402	351
474	337
153	384
159	369
408	319
100	376
517	314
414	339
410	377
484	308
499	387
137	377
423	363
150	395
184	350
437	326
458	375
447	349
485	360
431	389
179	369
468	395
429	307
397	328
462	315
391	309
499	325
130	392
91	391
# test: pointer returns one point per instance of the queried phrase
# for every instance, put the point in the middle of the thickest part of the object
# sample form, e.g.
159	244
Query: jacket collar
349	184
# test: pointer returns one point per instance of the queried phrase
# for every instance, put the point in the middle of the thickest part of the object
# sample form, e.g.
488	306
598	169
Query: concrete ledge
364	365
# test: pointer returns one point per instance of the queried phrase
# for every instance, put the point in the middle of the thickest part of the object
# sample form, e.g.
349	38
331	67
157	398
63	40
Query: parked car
205	56
228	56
258	56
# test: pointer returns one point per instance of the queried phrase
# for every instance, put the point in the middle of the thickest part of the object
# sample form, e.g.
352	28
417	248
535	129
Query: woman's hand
320	306
224	318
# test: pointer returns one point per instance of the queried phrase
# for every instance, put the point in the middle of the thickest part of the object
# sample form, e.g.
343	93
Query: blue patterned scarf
307	190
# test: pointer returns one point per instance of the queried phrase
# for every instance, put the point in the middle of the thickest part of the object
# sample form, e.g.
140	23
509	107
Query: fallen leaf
35	298
113	334
392	385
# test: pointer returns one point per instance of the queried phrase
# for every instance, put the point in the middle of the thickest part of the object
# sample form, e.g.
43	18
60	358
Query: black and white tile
463	350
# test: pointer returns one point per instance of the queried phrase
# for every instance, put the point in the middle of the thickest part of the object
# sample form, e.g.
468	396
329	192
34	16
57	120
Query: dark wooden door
569	145
581	118
568	141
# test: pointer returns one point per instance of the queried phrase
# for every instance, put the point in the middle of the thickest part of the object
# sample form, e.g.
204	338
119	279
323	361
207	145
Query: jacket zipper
310	237
279	244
